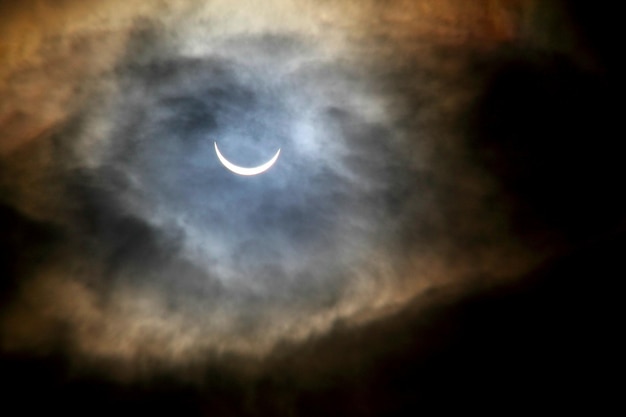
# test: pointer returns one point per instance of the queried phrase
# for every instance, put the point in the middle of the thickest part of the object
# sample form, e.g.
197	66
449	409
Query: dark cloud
561	158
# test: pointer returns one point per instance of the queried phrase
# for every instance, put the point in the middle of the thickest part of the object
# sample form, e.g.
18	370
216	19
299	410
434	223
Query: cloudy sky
444	219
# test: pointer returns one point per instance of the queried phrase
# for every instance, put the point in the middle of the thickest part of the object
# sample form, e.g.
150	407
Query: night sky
443	231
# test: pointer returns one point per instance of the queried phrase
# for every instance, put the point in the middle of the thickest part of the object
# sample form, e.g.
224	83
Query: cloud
147	249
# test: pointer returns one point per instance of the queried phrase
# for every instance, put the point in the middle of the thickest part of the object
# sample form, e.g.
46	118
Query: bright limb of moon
243	170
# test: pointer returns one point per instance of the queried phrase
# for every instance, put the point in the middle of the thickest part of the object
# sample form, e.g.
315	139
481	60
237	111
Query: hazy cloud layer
130	240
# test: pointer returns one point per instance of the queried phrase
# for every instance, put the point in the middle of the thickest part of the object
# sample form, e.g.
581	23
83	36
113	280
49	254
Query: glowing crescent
246	171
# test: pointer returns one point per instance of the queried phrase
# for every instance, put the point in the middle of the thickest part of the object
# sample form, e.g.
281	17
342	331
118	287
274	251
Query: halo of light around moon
243	170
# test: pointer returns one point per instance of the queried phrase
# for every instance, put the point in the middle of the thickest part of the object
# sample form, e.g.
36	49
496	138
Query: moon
243	170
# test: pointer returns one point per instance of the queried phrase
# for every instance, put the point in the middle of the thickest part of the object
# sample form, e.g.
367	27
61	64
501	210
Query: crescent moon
243	170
